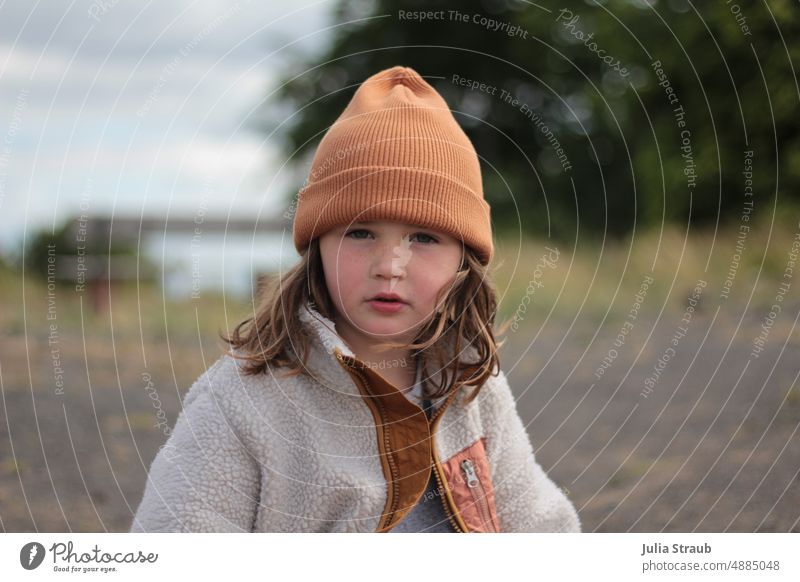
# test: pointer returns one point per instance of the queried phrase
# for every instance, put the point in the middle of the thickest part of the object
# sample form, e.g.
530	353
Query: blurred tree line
589	71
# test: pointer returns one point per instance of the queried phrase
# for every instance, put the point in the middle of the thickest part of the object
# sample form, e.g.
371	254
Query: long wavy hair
274	336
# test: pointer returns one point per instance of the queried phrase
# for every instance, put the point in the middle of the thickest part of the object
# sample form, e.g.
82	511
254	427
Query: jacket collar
323	330
324	341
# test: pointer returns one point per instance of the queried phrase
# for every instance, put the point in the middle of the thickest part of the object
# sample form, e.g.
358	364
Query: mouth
387	298
387	303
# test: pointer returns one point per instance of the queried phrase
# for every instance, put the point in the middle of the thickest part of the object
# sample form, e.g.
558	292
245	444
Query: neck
396	364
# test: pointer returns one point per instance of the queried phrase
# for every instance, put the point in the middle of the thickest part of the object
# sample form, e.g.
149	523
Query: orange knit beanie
396	153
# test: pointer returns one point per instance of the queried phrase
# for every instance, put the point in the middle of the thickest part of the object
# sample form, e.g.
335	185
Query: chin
387	328
387	331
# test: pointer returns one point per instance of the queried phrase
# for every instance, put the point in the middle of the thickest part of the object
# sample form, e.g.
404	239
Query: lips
387	304
388	298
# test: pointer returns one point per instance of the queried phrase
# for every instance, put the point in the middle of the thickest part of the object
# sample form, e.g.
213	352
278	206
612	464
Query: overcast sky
140	107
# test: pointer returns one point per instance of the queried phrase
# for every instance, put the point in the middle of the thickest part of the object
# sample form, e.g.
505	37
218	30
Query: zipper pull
469	471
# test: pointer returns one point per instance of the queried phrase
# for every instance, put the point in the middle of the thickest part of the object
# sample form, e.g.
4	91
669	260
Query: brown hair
274	336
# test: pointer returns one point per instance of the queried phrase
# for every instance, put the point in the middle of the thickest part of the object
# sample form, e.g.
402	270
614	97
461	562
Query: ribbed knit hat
396	153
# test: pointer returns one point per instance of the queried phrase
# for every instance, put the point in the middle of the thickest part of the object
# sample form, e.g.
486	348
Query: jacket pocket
469	479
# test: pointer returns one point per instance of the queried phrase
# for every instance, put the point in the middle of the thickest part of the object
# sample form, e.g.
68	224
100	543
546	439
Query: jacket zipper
386	444
478	493
437	470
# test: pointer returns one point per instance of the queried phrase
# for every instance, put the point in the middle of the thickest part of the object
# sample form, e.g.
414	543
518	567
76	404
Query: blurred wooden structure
99	269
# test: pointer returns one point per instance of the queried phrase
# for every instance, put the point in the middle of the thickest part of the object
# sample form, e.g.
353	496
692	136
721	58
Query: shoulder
234	391
489	411
495	396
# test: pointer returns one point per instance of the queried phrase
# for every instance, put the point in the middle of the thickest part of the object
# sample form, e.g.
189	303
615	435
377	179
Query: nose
391	258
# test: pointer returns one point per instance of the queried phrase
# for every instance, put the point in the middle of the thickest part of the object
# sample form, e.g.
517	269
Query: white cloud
84	82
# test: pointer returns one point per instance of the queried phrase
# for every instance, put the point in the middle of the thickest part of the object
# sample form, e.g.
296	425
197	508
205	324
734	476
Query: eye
426	238
357	231
362	234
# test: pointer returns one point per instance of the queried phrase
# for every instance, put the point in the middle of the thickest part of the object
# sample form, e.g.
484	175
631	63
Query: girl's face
364	259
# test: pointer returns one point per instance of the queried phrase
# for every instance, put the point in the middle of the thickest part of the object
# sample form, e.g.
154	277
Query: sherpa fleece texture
269	454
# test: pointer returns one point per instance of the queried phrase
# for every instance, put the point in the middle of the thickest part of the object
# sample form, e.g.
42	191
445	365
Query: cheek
430	282
343	273
437	271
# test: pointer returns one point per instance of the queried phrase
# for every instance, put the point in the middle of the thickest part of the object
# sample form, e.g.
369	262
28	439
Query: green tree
587	71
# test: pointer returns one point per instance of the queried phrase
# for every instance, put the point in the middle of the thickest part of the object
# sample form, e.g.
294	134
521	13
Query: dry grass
598	276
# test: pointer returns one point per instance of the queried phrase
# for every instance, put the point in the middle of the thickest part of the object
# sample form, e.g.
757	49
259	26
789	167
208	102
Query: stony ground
713	447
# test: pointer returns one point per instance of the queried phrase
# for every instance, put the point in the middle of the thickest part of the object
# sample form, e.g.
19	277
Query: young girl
365	394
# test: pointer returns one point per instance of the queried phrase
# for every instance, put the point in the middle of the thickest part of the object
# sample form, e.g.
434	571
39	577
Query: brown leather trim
403	439
379	425
405	443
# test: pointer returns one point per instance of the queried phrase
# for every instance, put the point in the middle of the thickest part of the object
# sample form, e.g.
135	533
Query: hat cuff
411	195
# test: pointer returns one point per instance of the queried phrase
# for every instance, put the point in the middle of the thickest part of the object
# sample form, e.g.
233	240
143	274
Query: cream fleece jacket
268	454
